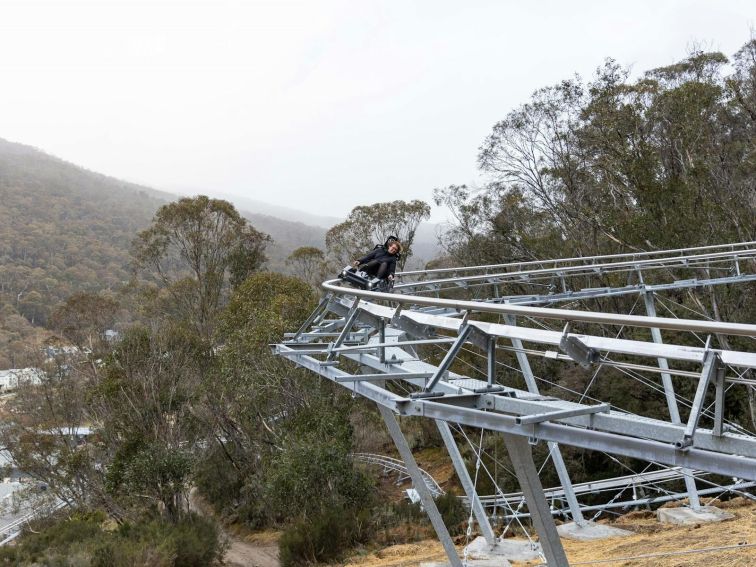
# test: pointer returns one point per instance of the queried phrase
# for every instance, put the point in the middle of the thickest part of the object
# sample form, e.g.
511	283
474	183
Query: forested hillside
64	230
287	236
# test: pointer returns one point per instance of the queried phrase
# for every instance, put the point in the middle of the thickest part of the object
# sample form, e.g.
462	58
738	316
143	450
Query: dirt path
256	550
251	554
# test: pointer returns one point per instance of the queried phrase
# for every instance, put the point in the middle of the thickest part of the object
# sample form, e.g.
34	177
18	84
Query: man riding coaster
379	264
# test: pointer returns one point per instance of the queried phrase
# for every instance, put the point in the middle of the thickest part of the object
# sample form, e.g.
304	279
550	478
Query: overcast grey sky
316	105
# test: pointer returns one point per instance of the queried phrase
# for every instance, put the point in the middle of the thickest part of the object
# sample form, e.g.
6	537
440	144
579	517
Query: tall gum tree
198	248
368	225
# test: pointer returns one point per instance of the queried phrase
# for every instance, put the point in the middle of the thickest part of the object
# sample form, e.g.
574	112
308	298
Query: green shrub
82	540
406	510
196	542
320	538
192	542
314	471
453	512
54	536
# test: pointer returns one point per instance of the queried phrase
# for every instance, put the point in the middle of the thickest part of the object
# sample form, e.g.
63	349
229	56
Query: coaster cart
359	279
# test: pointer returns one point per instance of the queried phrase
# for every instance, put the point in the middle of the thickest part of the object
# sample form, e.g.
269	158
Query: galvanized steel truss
382	332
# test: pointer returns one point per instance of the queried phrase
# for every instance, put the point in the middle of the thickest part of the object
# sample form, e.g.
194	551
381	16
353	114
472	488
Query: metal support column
556	453
491	360
419	483
669	393
467	484
522	460
382	340
718	428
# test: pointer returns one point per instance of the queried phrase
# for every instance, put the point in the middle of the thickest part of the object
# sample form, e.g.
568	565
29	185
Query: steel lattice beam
382	341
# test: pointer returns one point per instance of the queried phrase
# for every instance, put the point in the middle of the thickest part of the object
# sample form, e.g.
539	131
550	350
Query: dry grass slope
650	537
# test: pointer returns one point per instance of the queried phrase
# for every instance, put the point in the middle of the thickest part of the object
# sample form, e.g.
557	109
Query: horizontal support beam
546	299
612	422
614	319
365	389
734	488
425	324
644	449
561	414
645	478
378	377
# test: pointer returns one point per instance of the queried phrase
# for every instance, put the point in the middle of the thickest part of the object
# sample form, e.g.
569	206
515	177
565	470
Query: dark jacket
380	254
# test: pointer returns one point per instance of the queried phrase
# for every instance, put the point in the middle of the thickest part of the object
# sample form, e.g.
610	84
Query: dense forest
66	230
190	396
612	164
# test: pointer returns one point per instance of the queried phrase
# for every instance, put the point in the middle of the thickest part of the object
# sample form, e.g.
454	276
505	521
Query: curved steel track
456	346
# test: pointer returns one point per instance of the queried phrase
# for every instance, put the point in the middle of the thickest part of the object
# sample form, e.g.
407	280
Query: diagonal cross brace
556	453
449	358
316	313
348	323
426	498
466	481
711	364
669	392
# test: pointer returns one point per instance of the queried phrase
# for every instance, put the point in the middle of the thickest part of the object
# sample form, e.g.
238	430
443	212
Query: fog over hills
65	229
54	211
287	213
291	228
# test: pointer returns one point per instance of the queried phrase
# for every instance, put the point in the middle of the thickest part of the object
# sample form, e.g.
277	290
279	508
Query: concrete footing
500	562
688	516
590	531
480	554
514	549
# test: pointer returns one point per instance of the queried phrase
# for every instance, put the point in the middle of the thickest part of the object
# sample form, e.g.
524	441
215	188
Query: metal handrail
565	270
693	325
731	246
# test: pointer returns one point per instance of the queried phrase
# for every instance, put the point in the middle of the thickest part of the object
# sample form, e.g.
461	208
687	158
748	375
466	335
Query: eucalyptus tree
282	437
198	248
368	225
309	264
83	319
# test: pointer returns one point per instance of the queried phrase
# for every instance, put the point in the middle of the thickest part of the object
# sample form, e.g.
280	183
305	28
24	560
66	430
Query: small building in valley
11	378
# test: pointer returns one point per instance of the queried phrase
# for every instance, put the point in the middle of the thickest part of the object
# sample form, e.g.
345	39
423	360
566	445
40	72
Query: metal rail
567	315
397	465
593	268
632	256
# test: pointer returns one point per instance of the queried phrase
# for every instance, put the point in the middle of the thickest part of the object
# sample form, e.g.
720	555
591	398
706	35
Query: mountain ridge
66	229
